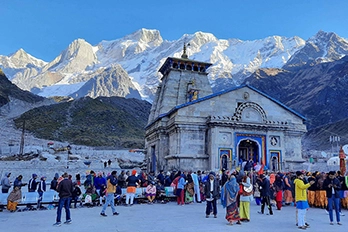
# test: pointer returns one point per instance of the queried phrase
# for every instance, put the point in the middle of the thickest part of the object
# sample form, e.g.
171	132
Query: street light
334	139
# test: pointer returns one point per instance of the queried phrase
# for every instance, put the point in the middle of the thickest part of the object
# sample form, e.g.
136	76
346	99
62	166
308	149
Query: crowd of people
235	188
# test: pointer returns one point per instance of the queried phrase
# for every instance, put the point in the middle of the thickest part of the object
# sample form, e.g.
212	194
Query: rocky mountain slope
9	90
321	48
318	92
111	81
319	138
104	121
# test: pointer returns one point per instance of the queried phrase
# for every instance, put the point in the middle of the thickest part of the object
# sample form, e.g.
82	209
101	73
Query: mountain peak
22	59
77	44
146	36
204	37
324	36
330	43
19	54
76	57
322	47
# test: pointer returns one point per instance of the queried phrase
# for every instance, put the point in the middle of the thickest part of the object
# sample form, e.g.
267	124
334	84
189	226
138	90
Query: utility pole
331	141
21	148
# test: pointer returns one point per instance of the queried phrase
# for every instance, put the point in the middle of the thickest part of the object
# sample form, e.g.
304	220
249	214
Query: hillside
8	90
319	138
114	122
318	92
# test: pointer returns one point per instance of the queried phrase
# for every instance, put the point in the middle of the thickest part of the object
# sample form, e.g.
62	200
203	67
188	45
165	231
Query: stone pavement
164	217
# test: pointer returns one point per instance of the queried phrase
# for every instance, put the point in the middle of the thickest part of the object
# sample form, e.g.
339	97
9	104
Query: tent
334	161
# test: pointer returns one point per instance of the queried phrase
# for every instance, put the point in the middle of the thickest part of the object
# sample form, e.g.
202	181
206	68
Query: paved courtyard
164	217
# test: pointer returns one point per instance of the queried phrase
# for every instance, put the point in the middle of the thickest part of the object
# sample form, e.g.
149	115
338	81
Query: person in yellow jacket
110	194
301	199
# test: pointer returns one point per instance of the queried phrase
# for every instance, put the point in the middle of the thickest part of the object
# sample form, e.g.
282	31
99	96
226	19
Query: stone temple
192	128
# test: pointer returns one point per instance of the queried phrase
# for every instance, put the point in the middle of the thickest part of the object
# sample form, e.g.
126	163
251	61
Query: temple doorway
248	149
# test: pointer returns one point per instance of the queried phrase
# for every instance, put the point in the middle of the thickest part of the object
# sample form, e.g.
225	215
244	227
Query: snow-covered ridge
142	53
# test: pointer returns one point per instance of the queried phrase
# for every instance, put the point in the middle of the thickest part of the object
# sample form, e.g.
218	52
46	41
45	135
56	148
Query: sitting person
90	196
160	192
151	192
13	198
102	194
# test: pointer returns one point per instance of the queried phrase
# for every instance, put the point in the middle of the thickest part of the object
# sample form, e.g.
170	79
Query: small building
192	128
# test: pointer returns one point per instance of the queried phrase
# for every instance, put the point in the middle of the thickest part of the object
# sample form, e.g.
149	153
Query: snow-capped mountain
323	47
143	52
20	65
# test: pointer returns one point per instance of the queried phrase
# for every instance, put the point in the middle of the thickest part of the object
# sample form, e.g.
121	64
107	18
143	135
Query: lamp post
334	139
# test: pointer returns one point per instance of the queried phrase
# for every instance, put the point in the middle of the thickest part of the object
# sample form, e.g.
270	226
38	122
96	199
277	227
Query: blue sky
44	28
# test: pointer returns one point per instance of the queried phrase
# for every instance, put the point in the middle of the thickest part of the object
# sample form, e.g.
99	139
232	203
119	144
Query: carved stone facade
214	131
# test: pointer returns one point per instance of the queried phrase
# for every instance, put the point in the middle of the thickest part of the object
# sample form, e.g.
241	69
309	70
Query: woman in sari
320	194
13	198
189	190
287	189
278	190
229	200
312	190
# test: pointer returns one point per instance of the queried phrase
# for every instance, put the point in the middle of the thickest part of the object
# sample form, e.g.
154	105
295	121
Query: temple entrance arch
248	149
248	145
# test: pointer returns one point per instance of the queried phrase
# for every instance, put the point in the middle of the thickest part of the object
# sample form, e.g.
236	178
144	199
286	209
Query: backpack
247	191
88	199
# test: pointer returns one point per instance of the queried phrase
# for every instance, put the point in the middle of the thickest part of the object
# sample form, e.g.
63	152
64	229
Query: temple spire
184	55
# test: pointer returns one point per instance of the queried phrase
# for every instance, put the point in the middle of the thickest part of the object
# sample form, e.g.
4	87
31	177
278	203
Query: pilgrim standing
110	193
229	195
211	191
332	186
301	199
65	189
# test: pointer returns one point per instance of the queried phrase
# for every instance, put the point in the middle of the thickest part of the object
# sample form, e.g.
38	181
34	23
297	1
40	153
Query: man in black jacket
265	190
332	186
65	189
211	192
32	186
